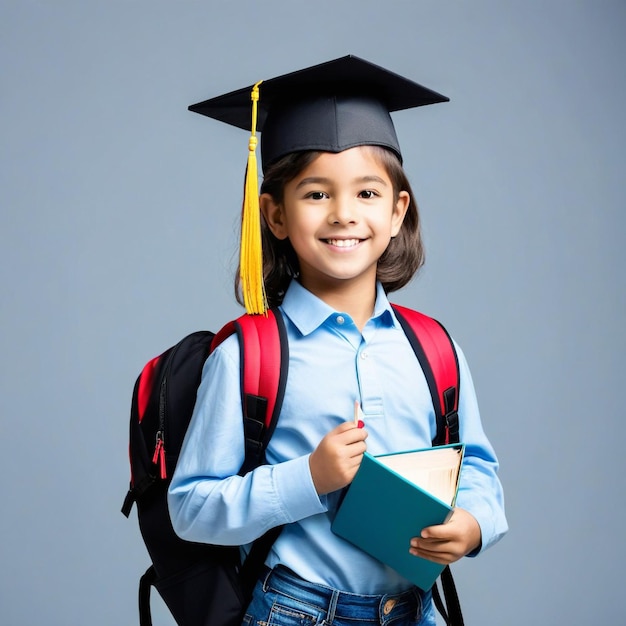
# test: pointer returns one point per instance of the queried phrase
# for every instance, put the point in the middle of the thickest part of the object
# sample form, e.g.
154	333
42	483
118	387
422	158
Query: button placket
369	382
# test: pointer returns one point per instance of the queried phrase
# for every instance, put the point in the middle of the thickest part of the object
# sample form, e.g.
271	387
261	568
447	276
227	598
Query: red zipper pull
159	455
162	462
157	449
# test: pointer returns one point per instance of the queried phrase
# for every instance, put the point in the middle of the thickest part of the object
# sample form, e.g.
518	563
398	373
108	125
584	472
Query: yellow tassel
251	255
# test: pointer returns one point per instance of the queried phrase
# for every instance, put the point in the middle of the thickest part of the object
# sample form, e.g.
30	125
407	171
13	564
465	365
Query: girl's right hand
337	458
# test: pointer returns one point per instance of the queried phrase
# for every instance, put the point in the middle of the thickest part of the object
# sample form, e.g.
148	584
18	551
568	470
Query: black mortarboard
328	107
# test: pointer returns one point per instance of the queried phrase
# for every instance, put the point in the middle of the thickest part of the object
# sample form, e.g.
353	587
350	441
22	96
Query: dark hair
396	267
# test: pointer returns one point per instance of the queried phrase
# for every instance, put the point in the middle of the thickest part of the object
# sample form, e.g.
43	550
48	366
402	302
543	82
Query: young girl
340	231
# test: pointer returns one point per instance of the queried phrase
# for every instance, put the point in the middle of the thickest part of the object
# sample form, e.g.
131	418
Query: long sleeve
208	501
480	490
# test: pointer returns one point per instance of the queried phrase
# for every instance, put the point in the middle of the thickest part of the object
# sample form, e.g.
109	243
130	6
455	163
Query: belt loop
266	580
332	607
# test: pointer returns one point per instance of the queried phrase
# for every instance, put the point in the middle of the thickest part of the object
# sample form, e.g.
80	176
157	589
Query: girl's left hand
446	543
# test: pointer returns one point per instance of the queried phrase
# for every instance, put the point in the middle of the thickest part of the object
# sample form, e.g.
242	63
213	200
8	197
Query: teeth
343	243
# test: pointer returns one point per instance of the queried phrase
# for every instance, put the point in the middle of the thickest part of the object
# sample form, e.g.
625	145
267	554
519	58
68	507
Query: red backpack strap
264	359
261	357
437	356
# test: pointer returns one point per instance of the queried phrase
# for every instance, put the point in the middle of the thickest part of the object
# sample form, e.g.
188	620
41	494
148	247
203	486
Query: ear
274	215
399	211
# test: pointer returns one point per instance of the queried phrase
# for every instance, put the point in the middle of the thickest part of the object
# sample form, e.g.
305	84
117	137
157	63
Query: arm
478	521
208	501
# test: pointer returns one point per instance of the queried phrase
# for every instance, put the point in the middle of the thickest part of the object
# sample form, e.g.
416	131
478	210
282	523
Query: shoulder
223	359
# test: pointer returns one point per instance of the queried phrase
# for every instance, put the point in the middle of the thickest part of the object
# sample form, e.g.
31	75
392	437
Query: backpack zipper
159	455
159	449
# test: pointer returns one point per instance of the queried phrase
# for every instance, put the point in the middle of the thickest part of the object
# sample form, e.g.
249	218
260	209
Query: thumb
431	532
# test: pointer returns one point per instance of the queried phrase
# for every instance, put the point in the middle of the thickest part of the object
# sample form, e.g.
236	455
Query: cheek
300	224
390	223
395	228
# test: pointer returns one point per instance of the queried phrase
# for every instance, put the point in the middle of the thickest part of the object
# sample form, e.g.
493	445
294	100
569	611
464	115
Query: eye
317	195
368	194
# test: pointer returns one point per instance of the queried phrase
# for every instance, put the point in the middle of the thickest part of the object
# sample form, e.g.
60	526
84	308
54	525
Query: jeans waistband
378	608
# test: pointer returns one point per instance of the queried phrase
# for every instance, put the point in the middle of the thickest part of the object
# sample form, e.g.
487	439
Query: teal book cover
383	509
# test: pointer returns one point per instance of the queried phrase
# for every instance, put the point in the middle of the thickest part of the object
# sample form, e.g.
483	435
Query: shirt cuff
298	497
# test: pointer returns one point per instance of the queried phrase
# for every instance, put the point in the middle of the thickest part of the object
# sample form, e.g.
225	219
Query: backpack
208	585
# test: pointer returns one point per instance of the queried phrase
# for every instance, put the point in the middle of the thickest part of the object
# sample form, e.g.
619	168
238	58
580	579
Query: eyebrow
320	180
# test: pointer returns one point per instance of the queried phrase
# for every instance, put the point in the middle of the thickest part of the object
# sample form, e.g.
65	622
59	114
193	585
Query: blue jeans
283	599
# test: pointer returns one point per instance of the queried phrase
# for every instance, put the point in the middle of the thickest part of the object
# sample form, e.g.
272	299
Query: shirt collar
308	312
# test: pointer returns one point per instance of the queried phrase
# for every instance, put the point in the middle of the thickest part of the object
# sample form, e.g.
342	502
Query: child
340	231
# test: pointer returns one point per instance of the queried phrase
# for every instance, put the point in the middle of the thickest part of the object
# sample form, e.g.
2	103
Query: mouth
343	243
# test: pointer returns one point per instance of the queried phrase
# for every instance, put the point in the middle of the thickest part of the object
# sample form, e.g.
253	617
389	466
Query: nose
342	211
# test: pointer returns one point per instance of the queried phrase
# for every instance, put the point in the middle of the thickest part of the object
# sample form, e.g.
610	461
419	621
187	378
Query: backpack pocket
205	594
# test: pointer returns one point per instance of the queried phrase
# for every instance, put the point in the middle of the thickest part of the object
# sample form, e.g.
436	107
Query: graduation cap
329	107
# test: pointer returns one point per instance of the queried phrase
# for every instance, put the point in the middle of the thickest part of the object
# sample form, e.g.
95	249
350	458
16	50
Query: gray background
118	227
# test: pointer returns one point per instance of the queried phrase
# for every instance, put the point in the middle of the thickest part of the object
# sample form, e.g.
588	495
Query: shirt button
340	319
364	355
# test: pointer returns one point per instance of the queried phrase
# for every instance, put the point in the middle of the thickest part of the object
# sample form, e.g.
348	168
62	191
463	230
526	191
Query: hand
446	543
337	458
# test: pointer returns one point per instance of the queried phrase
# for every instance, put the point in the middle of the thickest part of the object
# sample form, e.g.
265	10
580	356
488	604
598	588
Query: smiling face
339	213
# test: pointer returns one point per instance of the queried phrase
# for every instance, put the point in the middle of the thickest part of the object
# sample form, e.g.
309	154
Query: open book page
435	470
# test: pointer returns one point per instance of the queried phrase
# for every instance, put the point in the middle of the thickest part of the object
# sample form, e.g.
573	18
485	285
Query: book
392	498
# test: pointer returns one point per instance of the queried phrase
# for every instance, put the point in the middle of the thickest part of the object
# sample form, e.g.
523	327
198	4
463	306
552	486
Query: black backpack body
201	584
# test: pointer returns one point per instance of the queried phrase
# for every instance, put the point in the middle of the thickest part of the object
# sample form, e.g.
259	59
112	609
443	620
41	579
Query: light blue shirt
331	364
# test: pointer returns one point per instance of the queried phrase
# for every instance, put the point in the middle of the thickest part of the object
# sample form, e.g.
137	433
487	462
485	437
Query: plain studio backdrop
118	228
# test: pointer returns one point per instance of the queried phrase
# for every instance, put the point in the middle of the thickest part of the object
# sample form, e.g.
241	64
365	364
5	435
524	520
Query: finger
443	558
439	551
444	531
349	425
356	450
427	548
436	533
352	435
427	542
